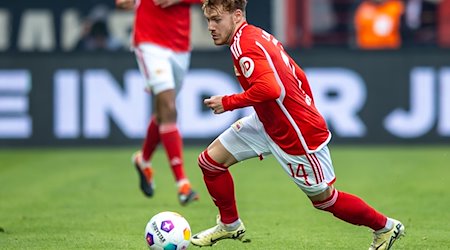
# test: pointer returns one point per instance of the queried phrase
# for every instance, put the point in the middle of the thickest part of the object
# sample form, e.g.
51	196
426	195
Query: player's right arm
255	70
262	89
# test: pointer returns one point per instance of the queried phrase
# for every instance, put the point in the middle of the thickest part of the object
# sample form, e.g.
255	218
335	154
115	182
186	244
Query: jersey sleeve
255	68
265	88
252	62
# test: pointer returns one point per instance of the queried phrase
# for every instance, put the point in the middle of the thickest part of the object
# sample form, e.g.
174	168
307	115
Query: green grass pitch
88	198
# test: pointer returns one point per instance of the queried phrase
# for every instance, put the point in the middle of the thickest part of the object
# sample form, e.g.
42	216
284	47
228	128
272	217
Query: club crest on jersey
247	66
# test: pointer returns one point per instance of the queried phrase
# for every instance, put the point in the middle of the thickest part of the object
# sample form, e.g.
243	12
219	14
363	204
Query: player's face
221	25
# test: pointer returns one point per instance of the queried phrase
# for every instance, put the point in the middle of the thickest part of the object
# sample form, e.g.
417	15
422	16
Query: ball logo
247	66
149	239
167	226
187	234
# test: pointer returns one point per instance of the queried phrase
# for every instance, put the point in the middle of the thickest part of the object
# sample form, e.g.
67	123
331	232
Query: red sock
173	144
352	209
151	139
220	186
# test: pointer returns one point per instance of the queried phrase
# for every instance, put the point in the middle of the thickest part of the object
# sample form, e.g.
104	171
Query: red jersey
278	90
168	27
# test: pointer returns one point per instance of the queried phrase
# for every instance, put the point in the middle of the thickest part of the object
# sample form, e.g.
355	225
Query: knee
326	201
209	166
166	109
167	114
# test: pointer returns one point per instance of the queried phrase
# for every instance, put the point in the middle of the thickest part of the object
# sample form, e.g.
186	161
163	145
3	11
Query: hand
165	3
125	4
215	104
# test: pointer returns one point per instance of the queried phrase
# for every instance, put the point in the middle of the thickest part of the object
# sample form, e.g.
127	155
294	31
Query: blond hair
227	5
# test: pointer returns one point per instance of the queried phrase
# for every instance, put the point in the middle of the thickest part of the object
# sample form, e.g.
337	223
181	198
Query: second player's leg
172	141
157	67
165	107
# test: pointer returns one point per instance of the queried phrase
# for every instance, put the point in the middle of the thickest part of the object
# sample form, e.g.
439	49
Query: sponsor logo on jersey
247	66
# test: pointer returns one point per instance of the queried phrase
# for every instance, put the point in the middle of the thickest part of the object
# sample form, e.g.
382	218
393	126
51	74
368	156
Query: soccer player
161	42
285	124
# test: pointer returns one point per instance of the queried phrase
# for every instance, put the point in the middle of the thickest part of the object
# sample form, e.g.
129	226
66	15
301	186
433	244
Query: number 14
299	172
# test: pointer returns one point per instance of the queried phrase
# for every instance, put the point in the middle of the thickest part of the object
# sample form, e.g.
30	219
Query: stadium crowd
345	23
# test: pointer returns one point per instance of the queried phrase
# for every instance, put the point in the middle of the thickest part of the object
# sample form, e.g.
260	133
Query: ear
238	16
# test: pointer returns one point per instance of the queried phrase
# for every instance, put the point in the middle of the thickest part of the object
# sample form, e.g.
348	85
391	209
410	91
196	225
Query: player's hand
215	104
125	4
165	3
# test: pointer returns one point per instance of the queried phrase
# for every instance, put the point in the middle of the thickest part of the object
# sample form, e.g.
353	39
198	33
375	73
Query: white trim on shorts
313	173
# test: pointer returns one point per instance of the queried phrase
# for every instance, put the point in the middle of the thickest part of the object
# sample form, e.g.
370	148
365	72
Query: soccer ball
168	231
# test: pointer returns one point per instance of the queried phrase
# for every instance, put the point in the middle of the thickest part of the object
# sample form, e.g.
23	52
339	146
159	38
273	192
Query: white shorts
161	67
246	138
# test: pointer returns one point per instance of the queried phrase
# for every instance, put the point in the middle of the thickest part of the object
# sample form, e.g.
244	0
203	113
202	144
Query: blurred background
68	77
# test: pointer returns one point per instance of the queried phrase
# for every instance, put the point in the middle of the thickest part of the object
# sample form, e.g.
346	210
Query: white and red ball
168	231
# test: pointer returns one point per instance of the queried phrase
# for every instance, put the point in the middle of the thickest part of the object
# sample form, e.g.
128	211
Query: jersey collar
239	31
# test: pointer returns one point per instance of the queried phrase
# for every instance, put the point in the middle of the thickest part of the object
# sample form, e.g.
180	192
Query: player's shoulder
245	40
251	34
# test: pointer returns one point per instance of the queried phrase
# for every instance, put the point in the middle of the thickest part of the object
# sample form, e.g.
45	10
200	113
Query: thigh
313	173
156	67
180	66
220	154
244	139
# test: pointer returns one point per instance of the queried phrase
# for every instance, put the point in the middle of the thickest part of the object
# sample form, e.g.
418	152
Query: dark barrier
98	99
51	26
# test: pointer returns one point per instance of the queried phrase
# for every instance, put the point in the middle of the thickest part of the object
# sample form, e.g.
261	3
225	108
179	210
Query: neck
236	29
